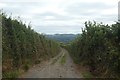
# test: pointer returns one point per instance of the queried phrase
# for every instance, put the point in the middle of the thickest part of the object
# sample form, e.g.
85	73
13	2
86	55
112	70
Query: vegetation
63	59
23	47
99	48
11	74
87	75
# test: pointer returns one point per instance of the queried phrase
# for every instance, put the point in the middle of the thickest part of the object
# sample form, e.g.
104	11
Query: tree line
99	48
22	47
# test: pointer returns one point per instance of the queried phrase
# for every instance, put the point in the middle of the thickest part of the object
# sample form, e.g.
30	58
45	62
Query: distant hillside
65	38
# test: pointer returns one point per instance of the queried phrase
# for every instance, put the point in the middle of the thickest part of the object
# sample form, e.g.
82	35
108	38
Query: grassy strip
63	59
54	61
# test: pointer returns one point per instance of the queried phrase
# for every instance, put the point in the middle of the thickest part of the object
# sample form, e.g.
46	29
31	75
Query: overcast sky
61	16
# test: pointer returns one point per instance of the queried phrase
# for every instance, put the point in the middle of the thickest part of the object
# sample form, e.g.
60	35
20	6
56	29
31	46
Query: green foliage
22	46
87	75
26	67
11	74
98	46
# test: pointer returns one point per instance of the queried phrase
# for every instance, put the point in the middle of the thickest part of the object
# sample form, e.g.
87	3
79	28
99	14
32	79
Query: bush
26	67
98	47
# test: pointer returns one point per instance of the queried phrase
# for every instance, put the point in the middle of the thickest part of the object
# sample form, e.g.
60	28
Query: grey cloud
21	7
108	18
75	11
83	8
24	4
57	16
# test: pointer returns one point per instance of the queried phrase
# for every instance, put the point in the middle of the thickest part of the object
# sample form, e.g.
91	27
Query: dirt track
60	66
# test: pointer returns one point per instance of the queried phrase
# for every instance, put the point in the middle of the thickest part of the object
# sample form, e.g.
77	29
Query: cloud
59	29
61	16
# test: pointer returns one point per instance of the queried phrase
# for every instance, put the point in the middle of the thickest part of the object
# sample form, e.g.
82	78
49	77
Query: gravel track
54	68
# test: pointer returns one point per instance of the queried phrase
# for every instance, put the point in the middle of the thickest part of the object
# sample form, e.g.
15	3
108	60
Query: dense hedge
98	47
23	47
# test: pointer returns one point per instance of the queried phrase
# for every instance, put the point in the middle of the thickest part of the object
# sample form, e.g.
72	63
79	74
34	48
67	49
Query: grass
84	70
26	67
54	61
63	59
87	75
11	74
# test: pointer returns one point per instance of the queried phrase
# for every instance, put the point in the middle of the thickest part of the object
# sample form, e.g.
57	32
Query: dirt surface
60	66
